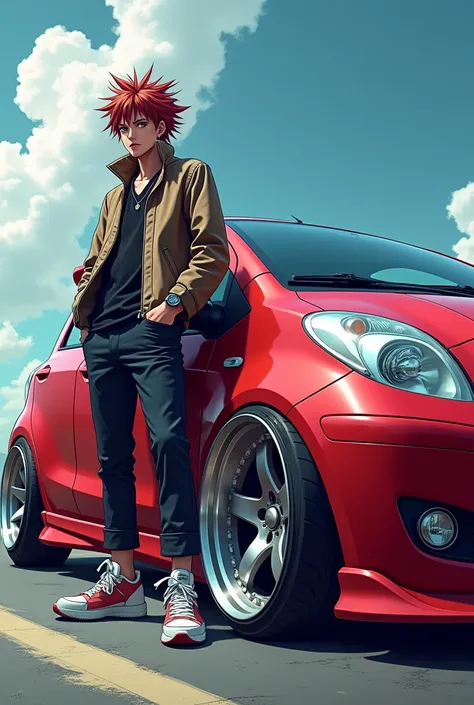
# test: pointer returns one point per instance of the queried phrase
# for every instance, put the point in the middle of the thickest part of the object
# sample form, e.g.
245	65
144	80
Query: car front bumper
374	445
369	596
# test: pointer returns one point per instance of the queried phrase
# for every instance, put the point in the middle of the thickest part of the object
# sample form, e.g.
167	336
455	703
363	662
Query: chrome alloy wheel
12	496
244	516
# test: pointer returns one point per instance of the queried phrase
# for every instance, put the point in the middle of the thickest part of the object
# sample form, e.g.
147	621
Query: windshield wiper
338	278
354	281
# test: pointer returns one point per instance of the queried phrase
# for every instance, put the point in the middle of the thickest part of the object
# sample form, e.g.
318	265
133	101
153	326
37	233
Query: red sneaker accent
183	623
112	596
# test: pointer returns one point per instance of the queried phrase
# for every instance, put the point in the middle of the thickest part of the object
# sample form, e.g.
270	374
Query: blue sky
354	114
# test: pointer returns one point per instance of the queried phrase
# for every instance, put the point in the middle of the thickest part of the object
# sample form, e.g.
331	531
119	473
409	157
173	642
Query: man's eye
142	124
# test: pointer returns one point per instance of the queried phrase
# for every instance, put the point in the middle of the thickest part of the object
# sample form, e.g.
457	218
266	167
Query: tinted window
220	293
73	338
288	249
219	296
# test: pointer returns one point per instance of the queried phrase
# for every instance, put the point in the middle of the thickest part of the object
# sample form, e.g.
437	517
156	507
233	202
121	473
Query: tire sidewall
32	523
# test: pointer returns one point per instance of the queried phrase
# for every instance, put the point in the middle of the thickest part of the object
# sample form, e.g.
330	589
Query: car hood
449	319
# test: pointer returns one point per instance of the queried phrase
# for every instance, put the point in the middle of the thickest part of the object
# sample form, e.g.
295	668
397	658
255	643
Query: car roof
297	221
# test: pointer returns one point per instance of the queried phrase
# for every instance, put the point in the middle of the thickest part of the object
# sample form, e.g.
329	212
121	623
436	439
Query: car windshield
290	249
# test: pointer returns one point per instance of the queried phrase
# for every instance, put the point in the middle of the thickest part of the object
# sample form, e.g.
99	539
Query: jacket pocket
170	261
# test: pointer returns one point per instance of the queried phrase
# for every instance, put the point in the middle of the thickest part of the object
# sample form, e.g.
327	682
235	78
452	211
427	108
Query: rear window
288	249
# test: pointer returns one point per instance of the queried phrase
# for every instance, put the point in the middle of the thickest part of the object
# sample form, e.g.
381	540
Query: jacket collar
126	167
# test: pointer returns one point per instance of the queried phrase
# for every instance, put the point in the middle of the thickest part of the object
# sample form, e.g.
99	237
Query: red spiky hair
152	99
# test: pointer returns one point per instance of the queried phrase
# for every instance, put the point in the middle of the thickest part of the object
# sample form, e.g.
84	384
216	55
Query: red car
331	419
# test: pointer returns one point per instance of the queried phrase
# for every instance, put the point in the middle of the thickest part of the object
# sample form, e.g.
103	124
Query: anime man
158	253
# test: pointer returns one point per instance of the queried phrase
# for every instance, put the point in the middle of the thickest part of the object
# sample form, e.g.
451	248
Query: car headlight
390	352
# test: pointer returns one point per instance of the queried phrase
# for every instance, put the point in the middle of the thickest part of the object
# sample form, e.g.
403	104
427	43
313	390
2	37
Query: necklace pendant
137	207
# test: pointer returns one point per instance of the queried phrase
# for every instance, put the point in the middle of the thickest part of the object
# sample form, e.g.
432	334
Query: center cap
272	518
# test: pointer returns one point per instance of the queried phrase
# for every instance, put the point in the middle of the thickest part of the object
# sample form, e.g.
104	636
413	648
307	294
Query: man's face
140	134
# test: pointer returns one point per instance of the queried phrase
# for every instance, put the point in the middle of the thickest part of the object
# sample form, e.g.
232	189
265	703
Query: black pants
143	357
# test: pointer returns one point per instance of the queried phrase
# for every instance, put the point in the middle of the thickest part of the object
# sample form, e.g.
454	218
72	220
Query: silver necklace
137	202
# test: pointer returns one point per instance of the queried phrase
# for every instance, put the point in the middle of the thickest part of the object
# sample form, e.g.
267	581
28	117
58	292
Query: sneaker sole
180	638
122	612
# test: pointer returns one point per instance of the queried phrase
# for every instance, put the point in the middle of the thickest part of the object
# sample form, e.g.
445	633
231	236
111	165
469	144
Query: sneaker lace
182	598
106	582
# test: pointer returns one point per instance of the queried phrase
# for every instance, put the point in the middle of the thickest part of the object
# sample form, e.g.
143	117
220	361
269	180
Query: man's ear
160	130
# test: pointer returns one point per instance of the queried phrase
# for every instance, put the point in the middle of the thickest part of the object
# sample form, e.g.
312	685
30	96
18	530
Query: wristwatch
173	300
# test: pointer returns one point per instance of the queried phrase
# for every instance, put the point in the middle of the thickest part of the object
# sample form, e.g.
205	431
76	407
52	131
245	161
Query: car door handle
43	373
84	373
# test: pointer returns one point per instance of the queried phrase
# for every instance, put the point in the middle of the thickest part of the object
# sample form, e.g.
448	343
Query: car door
197	351
52	385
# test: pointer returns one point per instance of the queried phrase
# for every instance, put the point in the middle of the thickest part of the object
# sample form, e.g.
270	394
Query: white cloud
12	401
49	187
461	210
12	345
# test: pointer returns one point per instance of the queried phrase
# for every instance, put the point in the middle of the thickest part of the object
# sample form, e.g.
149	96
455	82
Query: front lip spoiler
368	596
398	430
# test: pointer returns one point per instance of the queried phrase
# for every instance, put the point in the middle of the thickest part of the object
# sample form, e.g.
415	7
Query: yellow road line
96	668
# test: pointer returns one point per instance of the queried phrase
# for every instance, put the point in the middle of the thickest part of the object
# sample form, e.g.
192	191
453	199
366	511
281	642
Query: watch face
173	300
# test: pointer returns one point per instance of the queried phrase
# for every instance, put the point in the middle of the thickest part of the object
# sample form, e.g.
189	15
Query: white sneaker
182	624
112	596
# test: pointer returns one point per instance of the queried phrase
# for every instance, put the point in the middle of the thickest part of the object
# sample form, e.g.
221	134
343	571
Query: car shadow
444	647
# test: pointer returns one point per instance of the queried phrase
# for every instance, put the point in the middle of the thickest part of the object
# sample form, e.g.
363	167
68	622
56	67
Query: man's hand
84	334
164	313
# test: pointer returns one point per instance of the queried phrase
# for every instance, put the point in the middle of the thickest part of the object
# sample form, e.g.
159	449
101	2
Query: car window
72	339
220	293
289	249
219	296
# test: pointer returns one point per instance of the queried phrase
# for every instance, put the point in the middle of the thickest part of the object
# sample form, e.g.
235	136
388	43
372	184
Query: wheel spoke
283	497
19	493
245	508
277	557
265	470
18	516
252	559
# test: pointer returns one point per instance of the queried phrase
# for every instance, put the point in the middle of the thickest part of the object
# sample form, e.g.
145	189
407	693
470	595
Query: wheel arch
266	398
338	509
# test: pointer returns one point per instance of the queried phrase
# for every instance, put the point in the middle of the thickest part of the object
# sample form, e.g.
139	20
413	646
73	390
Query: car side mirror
77	274
208	320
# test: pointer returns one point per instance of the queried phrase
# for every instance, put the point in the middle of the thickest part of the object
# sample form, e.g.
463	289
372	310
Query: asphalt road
45	660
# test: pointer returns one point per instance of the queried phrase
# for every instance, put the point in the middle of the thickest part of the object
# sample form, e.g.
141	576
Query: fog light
438	528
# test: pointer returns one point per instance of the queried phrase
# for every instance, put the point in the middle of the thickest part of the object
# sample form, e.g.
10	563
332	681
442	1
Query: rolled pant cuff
181	544
121	539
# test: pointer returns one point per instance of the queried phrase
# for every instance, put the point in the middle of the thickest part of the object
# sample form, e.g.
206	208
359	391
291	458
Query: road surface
45	660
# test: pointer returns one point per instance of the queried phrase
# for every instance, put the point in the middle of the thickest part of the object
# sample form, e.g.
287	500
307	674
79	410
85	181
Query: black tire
28	550
304	598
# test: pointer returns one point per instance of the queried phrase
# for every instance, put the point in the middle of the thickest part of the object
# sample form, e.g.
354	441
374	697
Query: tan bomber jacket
185	249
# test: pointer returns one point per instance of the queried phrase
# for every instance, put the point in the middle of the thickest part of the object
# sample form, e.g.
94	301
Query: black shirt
119	296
